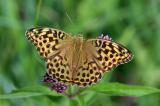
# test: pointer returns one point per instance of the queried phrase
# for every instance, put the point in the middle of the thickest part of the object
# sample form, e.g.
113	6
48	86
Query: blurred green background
133	23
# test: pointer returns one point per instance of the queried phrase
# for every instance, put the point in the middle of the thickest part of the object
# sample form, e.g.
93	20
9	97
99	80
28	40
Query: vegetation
133	23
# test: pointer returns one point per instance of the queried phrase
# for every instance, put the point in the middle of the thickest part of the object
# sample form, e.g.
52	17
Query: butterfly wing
108	54
87	74
100	56
52	45
48	41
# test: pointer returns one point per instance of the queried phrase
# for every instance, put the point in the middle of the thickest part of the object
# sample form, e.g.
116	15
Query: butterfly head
80	35
79	38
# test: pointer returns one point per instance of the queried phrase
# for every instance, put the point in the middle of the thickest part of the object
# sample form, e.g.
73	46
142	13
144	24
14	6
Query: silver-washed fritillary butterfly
74	60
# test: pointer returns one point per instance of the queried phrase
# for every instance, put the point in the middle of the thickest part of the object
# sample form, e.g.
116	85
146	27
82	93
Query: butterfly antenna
69	18
80	34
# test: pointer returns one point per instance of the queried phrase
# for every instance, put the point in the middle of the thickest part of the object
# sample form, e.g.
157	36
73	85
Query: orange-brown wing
100	56
48	41
52	44
108	54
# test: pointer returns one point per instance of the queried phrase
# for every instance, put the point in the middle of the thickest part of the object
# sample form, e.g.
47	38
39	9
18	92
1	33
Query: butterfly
74	60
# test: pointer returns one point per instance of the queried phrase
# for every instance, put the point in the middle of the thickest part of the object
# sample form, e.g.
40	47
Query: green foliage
29	92
123	90
133	23
111	89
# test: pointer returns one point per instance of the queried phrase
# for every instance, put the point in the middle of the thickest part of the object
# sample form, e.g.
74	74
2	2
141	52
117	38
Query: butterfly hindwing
87	74
58	68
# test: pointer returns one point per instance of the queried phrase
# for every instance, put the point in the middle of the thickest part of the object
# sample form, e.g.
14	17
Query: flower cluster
56	86
105	37
59	87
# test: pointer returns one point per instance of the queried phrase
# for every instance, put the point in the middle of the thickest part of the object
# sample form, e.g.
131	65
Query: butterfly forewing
108	54
48	41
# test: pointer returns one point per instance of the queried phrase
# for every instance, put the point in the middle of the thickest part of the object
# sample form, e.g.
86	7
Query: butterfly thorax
76	53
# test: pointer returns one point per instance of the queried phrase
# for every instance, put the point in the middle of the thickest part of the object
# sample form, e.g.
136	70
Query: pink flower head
56	86
105	37
59	87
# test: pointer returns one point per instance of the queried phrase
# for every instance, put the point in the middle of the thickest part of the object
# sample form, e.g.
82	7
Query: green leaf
81	100
117	89
29	92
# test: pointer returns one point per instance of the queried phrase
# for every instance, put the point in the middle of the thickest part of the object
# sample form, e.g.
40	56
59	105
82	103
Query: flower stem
71	95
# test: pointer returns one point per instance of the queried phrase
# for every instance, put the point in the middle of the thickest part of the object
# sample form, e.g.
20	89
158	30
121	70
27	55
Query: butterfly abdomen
76	55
